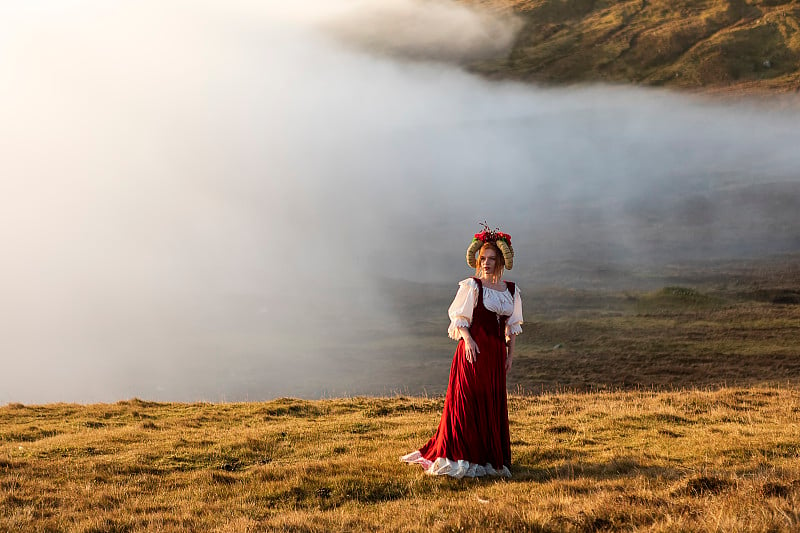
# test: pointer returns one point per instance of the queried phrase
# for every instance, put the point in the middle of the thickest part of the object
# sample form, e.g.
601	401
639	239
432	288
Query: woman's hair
499	263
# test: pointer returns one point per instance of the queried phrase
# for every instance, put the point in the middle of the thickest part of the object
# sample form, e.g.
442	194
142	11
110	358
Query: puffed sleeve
514	322
460	310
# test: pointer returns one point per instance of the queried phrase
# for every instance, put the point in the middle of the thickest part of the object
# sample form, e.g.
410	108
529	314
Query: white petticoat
443	466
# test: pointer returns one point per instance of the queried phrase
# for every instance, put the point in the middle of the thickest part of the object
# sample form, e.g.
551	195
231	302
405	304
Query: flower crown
500	239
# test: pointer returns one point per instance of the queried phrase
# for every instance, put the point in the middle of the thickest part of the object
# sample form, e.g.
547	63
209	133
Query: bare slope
720	45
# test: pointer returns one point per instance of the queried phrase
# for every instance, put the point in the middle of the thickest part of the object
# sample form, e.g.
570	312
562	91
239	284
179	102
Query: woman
485	317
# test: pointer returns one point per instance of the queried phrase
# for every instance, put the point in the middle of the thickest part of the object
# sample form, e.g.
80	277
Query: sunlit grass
687	460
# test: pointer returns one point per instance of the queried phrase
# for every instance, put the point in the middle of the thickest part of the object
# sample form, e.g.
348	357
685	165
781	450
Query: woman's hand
471	350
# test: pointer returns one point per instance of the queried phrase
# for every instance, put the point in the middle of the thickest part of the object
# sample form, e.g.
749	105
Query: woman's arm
510	352
460	311
513	328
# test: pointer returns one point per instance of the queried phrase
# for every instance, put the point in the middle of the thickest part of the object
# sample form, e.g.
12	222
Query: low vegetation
723	460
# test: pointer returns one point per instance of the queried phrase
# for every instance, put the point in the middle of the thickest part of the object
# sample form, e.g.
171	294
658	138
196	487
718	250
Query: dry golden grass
724	460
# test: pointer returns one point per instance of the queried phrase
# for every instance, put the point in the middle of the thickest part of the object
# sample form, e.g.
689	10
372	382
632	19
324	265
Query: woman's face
488	262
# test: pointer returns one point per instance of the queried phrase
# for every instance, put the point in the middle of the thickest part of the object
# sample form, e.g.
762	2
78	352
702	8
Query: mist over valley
241	202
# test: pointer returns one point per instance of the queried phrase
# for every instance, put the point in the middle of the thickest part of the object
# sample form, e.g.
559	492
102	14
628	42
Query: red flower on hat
488	235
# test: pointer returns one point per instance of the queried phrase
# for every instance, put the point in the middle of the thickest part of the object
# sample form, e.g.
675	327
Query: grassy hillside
730	45
669	461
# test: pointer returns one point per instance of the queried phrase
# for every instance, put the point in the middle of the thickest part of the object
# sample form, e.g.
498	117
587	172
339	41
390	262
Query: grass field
650	409
724	460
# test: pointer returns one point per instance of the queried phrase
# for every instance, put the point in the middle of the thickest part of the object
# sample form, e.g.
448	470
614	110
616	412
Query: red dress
472	438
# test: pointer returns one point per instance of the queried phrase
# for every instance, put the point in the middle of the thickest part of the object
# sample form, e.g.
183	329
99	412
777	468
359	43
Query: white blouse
500	302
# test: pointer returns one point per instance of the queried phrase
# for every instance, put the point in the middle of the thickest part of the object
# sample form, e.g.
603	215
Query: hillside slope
726	45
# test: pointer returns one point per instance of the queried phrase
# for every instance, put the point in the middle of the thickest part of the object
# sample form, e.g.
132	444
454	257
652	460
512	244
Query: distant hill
718	45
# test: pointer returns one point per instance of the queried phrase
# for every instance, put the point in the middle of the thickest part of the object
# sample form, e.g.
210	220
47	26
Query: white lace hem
513	329
458	322
443	466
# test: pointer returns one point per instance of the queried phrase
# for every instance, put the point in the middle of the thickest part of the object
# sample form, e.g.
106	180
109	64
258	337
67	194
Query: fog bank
198	201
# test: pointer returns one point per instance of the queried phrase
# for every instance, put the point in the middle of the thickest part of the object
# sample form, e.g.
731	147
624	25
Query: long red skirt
473	438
